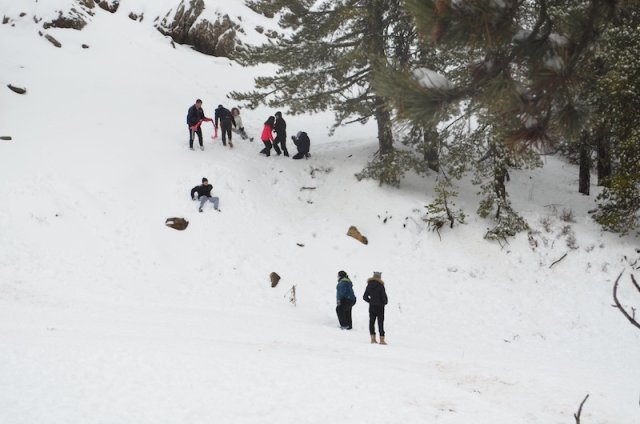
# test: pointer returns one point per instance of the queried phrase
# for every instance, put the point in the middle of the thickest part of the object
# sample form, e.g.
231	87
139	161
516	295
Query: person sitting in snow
376	296
225	119
195	116
345	298
302	142
204	194
235	112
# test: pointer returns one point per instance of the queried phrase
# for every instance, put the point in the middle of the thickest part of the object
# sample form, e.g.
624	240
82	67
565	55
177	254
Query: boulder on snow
18	90
275	278
353	232
109	5
73	20
177	223
5	137
216	38
53	41
85	46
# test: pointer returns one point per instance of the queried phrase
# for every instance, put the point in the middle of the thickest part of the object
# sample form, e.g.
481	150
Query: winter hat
204	180
278	114
219	106
377	275
342	274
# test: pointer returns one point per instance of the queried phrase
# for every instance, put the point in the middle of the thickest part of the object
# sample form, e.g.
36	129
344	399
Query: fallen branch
577	414
307	188
618	305
558	260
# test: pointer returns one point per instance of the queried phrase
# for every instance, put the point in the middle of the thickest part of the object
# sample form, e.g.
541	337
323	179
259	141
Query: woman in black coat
376	296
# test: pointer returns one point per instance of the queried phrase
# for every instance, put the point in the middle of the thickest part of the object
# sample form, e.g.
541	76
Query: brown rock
353	232
275	278
53	41
18	90
177	223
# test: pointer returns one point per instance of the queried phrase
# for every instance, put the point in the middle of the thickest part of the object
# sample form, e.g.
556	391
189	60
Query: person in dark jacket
225	119
345	298
194	116
204	194
280	128
302	142
376	296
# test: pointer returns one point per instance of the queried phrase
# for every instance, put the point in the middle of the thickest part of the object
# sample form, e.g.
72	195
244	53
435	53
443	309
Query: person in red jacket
267	135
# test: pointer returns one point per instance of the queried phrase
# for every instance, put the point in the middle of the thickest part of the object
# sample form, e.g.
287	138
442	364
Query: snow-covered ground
109	316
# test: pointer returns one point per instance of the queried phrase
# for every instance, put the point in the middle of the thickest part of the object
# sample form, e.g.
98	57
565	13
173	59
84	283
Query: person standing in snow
235	112
225	119
204	194
194	116
302	142
280	128
345	299
267	136
376	296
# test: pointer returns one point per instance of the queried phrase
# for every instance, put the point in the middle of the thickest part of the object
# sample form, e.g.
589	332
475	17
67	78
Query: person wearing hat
376	296
204	194
346	298
280	128
224	117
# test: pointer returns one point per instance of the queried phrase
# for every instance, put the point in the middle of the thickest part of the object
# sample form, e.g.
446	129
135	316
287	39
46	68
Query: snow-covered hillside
109	316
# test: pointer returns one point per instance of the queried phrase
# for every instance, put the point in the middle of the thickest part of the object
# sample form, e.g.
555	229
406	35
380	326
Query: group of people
375	295
230	120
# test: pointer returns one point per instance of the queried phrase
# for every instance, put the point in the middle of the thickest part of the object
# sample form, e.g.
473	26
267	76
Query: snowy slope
106	315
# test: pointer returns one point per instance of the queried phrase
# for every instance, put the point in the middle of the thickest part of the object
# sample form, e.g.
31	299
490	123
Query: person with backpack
302	142
280	127
345	298
195	116
376	296
204	194
235	112
225	119
267	136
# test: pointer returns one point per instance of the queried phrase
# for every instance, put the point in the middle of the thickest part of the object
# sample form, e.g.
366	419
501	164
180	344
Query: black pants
376	312
226	133
267	148
300	155
281	141
191	132
344	313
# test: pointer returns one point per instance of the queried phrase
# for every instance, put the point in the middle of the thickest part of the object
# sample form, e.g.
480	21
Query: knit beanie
342	274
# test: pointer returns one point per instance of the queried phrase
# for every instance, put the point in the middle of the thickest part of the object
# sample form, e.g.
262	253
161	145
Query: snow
431	79
106	315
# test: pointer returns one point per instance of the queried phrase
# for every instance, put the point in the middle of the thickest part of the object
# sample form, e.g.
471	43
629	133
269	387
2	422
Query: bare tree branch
577	414
631	319
558	260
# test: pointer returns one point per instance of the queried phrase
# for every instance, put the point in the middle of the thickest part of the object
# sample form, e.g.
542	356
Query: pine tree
326	60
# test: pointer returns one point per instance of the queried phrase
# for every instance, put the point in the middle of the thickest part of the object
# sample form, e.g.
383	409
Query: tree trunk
604	158
431	154
584	183
376	49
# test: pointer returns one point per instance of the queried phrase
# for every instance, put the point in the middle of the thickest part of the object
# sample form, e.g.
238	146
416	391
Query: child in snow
376	296
345	300
225	119
302	142
267	136
235	112
204	194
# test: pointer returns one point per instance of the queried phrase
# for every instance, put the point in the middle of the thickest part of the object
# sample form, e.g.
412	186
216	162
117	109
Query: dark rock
133	16
23	14
109	5
85	46
53	41
213	38
5	137
73	20
275	278
353	232
5	20
177	223
18	90
259	29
